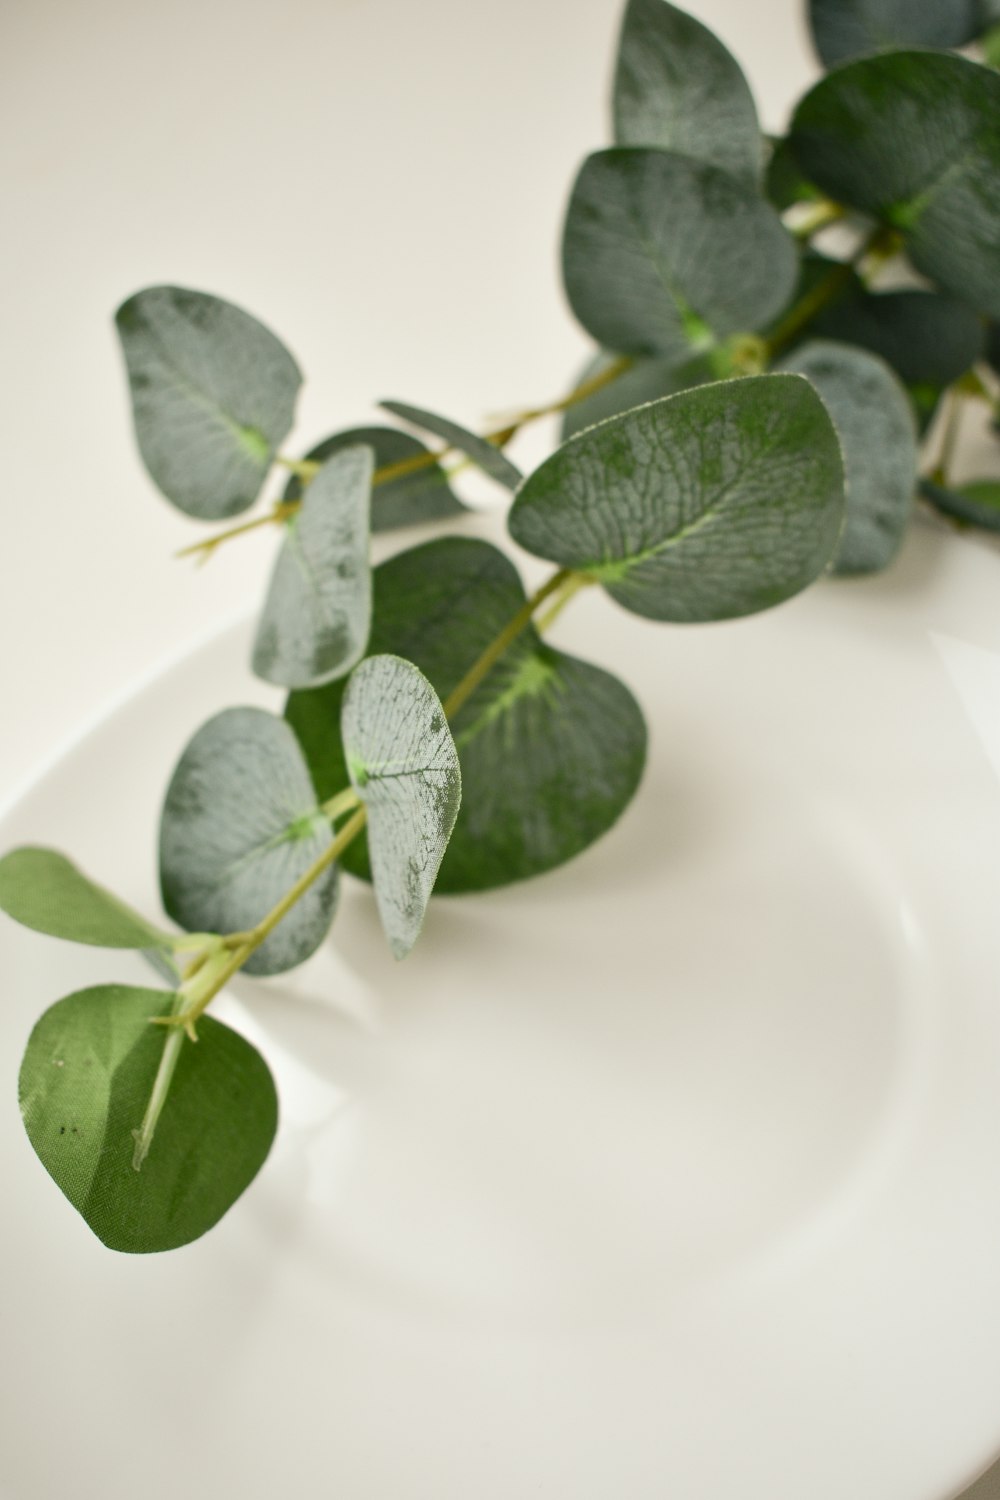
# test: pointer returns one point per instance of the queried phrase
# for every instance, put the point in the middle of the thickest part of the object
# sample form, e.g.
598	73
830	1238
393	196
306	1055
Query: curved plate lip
149	682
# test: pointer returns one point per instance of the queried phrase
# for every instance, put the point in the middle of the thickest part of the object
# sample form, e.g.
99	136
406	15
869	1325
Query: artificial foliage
786	332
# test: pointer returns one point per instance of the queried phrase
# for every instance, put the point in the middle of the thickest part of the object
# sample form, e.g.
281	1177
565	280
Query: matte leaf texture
877	431
664	255
240	825
717	502
926	337
213	395
85	1082
976	503
315	621
646	380
422	495
914	138
784	181
552	749
42	889
484	454
677	87
843	29
403	764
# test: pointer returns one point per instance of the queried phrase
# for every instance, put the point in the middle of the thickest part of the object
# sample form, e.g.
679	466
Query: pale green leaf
404	766
42	889
85	1083
240	825
677	87
717	502
484	454
314	625
663	255
213	395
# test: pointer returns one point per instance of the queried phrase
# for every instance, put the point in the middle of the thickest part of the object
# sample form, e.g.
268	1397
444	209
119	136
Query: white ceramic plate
671	1174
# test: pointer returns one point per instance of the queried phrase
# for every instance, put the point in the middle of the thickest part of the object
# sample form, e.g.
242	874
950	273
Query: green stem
822	215
949	441
461	694
825	292
343	802
572	586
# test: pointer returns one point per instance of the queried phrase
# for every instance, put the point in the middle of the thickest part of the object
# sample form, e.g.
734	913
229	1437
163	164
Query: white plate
671	1174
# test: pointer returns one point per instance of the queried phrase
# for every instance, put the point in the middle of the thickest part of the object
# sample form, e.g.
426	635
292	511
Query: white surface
383	184
672	1172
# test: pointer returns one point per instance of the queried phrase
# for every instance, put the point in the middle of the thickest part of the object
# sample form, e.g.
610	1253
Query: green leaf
404	766
784	179
914	138
677	87
716	502
665	256
213	395
315	620
240	825
872	415
645	380
484	454
421	495
977	503
85	1083
927	338
848	28
551	748
42	889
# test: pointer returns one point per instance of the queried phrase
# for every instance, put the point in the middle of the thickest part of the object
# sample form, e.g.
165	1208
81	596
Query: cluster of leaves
749	421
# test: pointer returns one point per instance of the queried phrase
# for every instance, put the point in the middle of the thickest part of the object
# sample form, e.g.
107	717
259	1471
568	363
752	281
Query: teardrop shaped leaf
666	256
213	395
85	1082
677	87
42	889
976	503
875	424
551	748
420	493
484	454
315	621
914	138
404	766
927	338
645	380
716	502
240	825
849	28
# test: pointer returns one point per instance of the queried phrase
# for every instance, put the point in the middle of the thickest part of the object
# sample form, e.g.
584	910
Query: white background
380	182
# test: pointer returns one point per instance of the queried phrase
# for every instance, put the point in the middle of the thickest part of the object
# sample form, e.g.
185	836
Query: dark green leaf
421	495
849	28
315	620
663	255
404	766
85	1083
717	502
677	87
484	454
914	138
785	181
877	432
977	503
42	889
645	380
552	749
213	395
240	825
927	338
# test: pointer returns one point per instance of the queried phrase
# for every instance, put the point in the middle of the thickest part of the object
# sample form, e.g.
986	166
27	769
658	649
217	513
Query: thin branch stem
825	292
461	694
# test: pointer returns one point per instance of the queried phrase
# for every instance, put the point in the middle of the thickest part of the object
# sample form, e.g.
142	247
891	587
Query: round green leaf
552	749
213	395
850	28
485	455
85	1082
423	495
404	766
927	338
914	138
717	502
240	825
872	415
977	503
645	380
314	625
664	255
42	889
784	181
677	87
